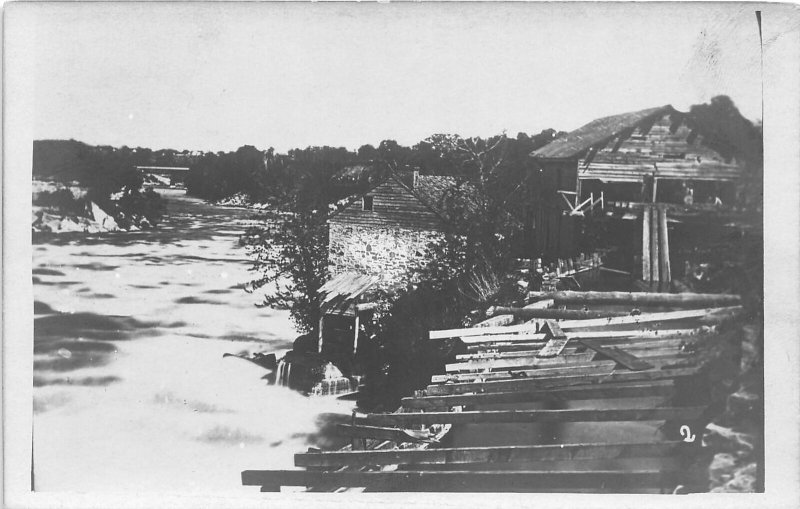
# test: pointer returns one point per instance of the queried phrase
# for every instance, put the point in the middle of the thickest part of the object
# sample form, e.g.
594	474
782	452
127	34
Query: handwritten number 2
687	434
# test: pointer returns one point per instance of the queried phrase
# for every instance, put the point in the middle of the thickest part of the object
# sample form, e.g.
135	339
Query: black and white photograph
493	253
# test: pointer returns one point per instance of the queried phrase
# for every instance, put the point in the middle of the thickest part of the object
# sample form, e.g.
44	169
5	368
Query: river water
131	392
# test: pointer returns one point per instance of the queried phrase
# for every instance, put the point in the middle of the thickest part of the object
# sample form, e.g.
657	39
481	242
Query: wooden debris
472	481
480	331
671	299
659	388
534	416
394	434
559	381
496	321
557	342
527	313
474	455
520	362
647	317
621	356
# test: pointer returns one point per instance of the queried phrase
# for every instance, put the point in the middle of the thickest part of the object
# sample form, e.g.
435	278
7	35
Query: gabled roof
600	132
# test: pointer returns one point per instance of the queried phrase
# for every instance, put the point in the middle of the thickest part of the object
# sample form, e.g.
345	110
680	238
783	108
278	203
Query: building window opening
366	203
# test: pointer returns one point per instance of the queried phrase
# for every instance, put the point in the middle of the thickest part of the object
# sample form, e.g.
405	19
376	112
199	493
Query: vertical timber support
654	245
355	333
666	272
319	344
645	245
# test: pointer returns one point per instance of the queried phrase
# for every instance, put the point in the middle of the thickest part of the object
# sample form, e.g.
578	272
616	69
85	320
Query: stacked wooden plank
618	371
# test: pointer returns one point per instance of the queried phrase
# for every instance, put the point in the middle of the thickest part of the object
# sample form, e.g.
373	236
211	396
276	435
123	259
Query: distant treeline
108	173
104	169
314	176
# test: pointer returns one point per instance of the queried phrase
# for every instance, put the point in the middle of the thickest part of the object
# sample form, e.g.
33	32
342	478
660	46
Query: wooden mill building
639	165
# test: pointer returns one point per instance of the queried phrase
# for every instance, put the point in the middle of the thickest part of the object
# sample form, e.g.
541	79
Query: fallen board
621	356
528	313
653	317
534	416
557	342
519	362
598	367
489	334
671	358
470	481
559	381
672	299
394	434
658	388
473	455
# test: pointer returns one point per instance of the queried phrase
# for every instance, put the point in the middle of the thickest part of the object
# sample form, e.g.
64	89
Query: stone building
389	230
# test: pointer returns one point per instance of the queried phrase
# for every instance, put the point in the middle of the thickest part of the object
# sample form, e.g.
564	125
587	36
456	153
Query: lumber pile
635	368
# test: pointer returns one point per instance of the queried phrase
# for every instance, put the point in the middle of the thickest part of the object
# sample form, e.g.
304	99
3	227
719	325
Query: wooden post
321	319
655	189
654	245
666	272
355	336
646	244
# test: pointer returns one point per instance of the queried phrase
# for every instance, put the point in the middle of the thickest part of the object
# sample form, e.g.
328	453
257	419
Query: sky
216	76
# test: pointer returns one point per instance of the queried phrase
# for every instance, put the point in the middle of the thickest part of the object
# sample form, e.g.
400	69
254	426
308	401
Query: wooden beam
557	342
671	299
520	362
595	367
646	244
657	388
647	317
590	368
481	331
559	314
626	359
541	304
536	416
492	338
666	270
471	481
503	352
381	433
558	381
477	455
654	246
496	321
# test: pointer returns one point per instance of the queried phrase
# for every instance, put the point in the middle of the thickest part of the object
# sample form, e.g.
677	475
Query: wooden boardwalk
620	370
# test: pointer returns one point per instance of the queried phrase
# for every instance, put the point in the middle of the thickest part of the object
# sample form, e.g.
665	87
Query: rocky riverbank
240	200
734	436
59	208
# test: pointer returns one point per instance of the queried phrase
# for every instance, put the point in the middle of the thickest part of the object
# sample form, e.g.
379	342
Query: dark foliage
217	176
733	136
105	171
62	200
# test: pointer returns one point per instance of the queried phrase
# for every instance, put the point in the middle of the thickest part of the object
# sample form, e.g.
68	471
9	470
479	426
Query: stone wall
389	252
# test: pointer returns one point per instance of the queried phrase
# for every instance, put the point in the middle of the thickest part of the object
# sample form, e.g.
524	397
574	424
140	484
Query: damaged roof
344	289
599	132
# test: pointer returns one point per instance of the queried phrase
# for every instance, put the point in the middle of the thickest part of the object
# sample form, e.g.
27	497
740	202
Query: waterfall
279	380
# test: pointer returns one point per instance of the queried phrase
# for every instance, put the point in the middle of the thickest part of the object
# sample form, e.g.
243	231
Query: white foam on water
176	416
